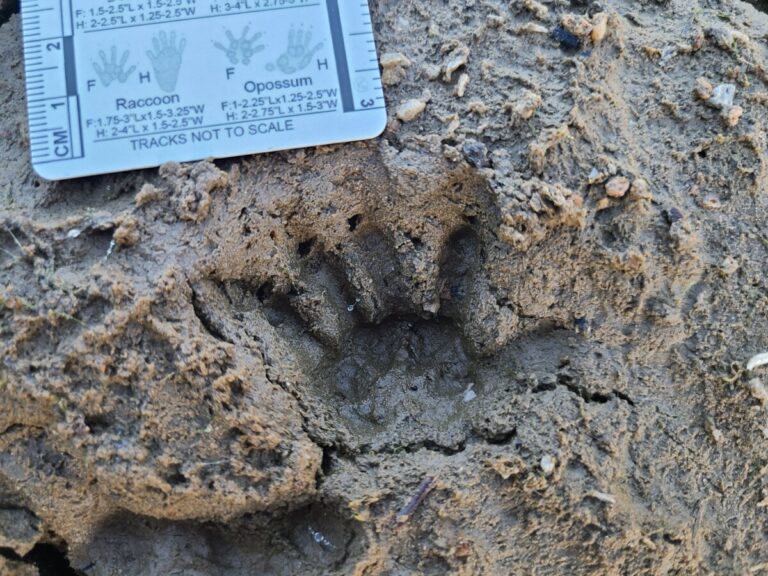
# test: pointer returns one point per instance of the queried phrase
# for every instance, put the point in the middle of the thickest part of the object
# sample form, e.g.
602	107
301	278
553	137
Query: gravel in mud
540	287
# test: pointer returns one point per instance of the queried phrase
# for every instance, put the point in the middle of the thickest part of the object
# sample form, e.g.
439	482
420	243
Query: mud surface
539	287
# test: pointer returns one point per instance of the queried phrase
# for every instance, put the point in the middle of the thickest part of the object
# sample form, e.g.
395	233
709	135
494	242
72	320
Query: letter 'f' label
118	86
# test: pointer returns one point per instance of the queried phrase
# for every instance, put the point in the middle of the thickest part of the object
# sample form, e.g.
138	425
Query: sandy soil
539	288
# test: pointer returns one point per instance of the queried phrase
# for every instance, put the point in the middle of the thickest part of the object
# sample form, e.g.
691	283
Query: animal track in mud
371	370
310	540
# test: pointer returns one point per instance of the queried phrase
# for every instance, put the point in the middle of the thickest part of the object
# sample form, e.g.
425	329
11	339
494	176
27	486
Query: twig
9	253
421	492
16	240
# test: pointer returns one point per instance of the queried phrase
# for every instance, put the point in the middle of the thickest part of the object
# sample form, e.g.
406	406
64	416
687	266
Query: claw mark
241	49
110	69
298	54
166	59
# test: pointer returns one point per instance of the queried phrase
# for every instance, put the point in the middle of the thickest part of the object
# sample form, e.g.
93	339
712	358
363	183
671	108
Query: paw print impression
372	369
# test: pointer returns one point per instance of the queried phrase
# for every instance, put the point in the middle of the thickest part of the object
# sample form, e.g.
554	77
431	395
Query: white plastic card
122	84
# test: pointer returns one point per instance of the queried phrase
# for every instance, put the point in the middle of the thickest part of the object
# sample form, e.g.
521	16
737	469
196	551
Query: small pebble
547	464
536	8
722	96
723	37
582	326
454	121
729	265
532	28
451	153
394	60
576	25
599	27
393	66
641	190
602	496
147	194
477	107
652	52
458	57
617	186
703	89
697	39
461	85
635	261
596	176
603	204
476	153
410	110
673	215
757	360
526	105
127	232
567	40
758	391
732	116
431	71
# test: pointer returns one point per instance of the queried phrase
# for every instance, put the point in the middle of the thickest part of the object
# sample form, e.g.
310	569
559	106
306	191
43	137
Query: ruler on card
116	85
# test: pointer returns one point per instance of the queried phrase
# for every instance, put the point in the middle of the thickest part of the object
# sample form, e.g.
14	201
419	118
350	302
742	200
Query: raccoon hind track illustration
166	59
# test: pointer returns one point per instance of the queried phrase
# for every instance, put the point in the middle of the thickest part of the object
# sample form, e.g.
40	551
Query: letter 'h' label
122	84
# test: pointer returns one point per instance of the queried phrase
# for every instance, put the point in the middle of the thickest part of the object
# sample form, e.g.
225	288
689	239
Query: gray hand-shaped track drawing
166	59
298	54
110	69
241	49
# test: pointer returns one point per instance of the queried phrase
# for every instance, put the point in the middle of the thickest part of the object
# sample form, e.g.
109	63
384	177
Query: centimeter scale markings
53	105
122	84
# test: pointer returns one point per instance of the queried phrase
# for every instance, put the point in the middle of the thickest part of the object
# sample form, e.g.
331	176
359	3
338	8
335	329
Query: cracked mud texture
250	365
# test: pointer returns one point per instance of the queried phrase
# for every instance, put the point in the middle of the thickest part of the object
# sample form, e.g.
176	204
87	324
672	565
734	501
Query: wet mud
539	287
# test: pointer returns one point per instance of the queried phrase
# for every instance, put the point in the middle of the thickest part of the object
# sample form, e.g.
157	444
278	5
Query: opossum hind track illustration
297	54
166	59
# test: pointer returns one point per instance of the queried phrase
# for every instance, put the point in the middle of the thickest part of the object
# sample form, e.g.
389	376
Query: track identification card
122	84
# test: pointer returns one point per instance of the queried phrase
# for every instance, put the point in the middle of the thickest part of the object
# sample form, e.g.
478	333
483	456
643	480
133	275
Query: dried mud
249	366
